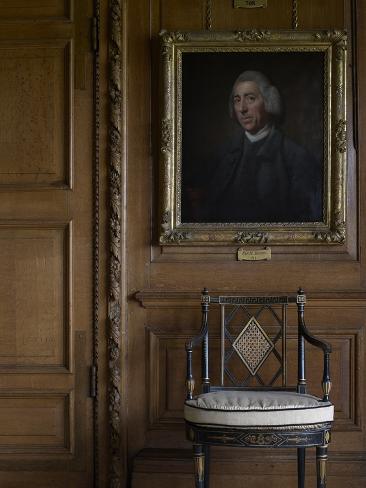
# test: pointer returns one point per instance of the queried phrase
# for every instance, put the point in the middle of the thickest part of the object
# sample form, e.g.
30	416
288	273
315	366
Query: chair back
252	332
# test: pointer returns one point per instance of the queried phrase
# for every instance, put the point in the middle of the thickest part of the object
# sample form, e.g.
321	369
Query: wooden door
46	242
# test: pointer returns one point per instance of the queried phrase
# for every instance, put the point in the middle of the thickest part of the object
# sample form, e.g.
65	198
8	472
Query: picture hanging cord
209	14
295	15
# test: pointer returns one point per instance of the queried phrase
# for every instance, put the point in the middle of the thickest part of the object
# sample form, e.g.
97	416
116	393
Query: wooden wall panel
168	279
35	9
35	423
189	15
166	361
36	121
321	15
277	15
35	306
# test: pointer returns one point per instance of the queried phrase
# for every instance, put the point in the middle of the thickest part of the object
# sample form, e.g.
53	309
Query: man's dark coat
272	180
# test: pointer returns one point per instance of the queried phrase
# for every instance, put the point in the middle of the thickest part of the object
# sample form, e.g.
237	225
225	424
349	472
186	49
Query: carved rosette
331	35
262	440
166	136
341	136
341	49
174	237
335	236
165	225
252	35
172	37
251	237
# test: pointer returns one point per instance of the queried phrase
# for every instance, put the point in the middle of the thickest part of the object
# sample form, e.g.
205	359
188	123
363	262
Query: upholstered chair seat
257	408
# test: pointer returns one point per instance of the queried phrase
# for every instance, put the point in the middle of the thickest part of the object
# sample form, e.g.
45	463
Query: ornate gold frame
333	230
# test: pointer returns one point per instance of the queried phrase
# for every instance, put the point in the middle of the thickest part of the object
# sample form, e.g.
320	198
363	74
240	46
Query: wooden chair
250	407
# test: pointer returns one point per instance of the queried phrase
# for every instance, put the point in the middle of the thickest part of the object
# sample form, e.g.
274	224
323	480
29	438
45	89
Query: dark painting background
207	80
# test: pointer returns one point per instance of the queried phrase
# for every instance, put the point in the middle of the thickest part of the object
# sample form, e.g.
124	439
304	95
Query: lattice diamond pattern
253	345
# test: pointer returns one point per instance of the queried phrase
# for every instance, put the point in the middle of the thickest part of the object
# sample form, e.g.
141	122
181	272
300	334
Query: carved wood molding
96	163
157	298
114	281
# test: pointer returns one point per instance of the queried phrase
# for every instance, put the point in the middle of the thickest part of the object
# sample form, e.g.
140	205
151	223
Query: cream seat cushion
257	408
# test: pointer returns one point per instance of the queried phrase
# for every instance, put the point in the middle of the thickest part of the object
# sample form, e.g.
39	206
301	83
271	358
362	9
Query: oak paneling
46	244
35	9
188	14
36	119
35	306
173	317
168	359
277	15
172	277
35	422
319	15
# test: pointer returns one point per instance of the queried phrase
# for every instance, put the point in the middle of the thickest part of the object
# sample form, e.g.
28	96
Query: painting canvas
227	177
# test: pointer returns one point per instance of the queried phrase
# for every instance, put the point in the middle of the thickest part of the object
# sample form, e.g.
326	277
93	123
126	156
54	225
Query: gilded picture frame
199	69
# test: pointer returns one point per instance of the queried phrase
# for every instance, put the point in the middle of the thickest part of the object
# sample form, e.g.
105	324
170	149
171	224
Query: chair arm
195	341
327	349
201	337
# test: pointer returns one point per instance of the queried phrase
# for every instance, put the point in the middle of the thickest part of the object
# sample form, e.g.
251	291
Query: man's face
249	106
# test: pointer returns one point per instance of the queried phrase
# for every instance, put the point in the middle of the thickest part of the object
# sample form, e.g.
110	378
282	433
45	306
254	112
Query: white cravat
260	134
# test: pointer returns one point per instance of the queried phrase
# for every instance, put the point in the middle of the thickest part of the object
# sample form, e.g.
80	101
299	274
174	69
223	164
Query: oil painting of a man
262	175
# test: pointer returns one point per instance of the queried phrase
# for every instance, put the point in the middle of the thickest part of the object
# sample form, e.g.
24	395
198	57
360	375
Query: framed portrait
253	137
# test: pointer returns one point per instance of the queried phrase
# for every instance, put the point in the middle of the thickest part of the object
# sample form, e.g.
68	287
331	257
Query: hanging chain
209	14
295	14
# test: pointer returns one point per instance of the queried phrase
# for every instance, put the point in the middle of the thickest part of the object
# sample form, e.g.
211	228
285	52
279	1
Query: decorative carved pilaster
114	304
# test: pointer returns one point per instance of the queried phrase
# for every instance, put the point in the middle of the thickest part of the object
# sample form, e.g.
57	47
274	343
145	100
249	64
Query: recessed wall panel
167	374
36	422
35	122
34	9
34	315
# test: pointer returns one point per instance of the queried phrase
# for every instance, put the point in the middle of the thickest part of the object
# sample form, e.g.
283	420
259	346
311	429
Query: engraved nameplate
254	255
250	3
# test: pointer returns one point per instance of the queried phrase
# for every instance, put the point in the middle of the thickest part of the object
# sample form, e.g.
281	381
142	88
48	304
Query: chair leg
321	459
301	467
199	465
206	451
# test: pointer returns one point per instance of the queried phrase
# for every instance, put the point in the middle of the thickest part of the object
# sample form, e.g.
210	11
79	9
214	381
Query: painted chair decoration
256	409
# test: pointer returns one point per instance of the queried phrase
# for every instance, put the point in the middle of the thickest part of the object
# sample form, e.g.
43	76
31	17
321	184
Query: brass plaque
254	254
250	3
